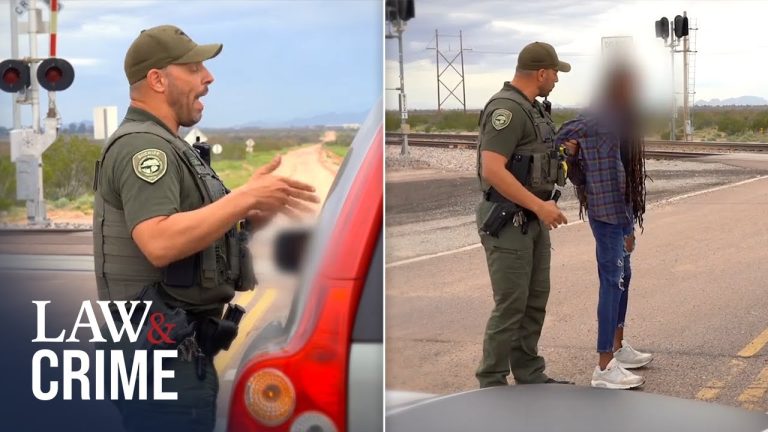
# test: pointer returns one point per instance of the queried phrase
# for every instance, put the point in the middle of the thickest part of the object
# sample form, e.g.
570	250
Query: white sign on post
24	142
104	122
27	178
617	46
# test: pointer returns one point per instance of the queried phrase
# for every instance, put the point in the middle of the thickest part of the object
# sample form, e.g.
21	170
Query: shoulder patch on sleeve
500	118
150	164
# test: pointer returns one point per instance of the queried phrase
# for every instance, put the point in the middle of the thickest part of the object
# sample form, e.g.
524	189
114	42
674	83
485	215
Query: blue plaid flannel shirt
597	171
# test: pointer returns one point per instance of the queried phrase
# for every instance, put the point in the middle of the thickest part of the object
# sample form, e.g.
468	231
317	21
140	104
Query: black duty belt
492	195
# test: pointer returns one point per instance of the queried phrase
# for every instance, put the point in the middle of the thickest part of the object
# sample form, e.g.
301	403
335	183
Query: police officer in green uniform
165	227
518	167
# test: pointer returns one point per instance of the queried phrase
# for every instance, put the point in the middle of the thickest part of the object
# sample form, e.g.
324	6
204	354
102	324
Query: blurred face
623	90
186	84
547	79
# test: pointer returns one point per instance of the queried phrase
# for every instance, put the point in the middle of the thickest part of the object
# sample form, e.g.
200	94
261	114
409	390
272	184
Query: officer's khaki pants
519	270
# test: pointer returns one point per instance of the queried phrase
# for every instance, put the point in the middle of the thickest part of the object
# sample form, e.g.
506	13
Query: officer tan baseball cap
540	55
160	46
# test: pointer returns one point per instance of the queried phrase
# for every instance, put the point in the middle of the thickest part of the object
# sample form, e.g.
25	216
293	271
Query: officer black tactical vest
122	270
545	165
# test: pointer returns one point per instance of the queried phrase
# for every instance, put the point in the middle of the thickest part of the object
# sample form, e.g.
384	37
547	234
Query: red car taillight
303	386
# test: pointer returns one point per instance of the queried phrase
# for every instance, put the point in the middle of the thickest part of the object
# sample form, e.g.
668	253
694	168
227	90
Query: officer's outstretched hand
270	193
550	215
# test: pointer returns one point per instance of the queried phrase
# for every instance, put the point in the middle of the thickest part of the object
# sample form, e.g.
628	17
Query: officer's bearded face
187	83
547	80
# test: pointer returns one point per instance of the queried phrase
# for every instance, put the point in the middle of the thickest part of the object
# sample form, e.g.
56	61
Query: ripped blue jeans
614	271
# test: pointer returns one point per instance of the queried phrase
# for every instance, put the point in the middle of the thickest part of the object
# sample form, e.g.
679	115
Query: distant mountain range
329	119
741	100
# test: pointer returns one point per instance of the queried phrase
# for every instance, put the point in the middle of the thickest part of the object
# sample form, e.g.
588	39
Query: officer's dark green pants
195	409
518	265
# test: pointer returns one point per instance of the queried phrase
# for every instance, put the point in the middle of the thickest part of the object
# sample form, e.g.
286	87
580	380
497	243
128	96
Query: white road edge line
705	191
654	205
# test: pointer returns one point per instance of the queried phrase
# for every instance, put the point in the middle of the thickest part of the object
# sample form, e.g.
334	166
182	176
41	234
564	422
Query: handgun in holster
503	210
216	334
499	216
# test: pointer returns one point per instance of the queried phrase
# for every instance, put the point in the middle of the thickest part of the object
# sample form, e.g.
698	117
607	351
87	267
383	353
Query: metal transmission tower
398	12
450	65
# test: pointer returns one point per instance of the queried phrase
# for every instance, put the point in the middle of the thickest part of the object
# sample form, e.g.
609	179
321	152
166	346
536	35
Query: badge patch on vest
149	165
501	118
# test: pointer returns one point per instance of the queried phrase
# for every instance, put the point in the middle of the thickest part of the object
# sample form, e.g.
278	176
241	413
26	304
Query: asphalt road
431	212
697	300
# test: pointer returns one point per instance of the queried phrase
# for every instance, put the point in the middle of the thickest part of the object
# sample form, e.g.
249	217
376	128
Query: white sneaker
615	377
630	358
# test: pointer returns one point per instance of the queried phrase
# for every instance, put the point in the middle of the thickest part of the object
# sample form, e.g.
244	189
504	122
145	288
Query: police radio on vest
123	378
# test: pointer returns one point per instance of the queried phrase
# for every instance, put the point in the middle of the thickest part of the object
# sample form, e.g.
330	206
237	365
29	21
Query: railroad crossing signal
397	12
681	26
677	32
662	28
53	74
14	76
402	10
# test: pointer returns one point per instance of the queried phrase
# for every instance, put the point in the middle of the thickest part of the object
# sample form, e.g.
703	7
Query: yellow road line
714	386
244	298
250	318
755	346
756	390
753	394
258	310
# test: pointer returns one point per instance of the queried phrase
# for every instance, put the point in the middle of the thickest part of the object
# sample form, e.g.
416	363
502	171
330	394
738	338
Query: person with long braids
606	164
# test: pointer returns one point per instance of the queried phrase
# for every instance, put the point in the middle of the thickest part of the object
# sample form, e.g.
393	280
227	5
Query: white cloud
732	51
85	62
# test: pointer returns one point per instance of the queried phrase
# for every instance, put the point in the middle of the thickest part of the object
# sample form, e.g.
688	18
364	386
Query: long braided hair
621	90
636	175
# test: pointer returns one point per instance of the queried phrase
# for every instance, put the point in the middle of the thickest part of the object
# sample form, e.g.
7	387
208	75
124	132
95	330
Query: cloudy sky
732	48
281	59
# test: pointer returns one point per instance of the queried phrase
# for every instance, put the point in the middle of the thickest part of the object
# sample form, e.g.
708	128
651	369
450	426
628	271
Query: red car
321	370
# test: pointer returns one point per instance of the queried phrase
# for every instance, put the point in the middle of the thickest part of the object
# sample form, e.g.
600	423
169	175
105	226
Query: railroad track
42	241
15	231
676	149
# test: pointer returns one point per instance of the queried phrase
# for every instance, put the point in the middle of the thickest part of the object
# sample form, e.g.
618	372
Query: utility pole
397	13
404	126
36	213
686	117
687	127
15	54
672	46
676	30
